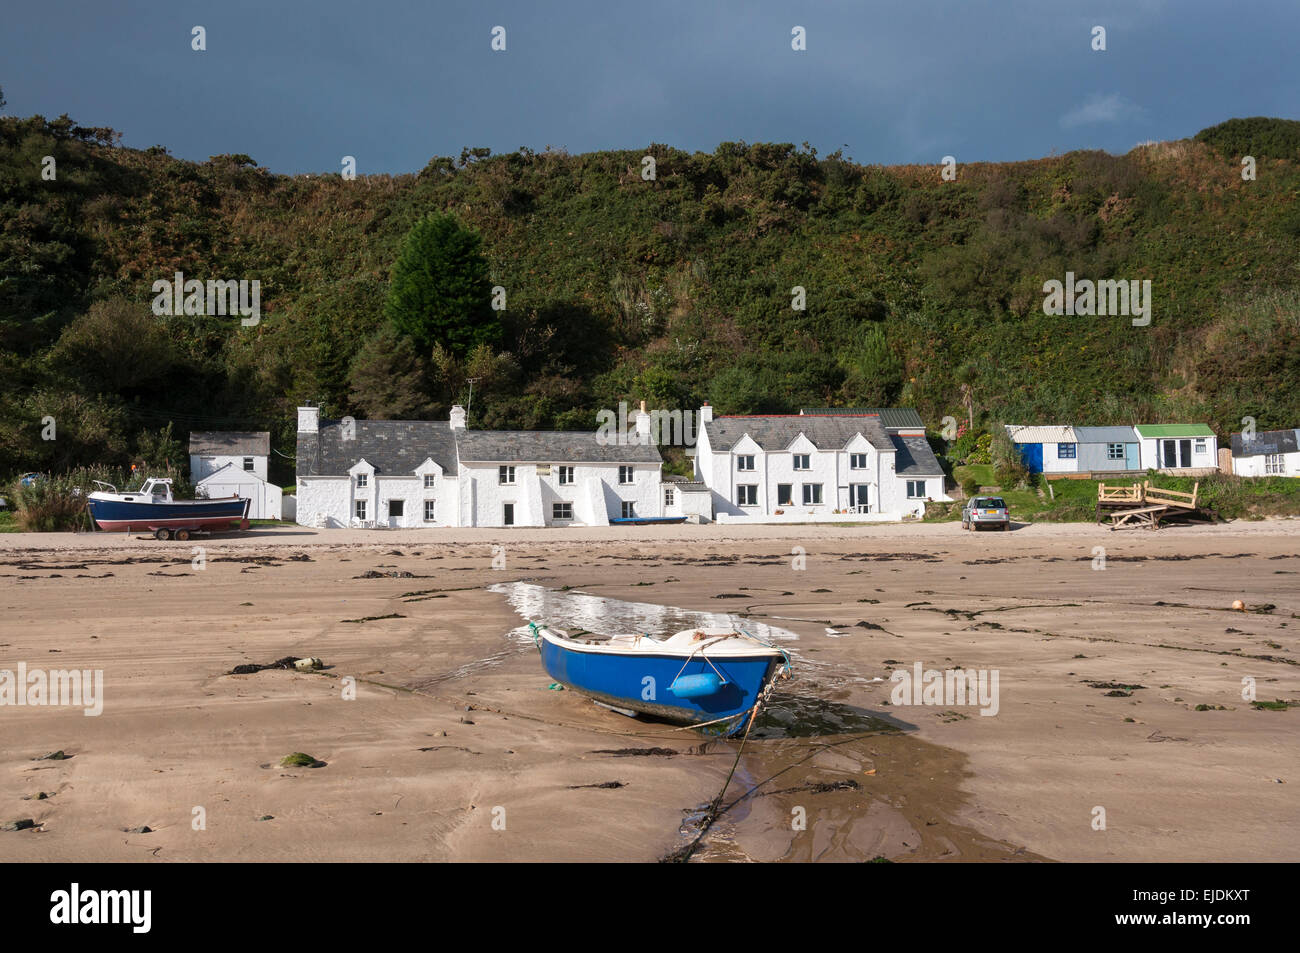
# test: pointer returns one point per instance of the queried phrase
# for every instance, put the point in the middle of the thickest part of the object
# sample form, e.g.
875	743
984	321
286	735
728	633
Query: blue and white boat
152	508
708	677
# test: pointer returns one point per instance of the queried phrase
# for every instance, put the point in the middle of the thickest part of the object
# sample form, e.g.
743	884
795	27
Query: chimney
642	425
706	413
308	420
457	417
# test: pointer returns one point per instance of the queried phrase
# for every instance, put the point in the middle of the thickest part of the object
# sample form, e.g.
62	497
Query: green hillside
674	290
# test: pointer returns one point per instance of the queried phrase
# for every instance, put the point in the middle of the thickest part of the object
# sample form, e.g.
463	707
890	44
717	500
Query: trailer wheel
182	534
162	534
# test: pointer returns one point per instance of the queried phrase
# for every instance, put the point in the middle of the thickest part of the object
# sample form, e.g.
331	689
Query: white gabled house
413	473
234	464
1266	453
818	465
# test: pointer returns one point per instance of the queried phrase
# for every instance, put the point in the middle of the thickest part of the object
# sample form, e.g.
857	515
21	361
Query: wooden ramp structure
1143	504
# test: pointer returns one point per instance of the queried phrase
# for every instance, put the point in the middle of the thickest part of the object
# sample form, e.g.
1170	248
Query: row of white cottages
817	466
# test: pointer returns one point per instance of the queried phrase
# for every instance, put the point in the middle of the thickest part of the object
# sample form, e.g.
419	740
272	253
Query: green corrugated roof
1175	430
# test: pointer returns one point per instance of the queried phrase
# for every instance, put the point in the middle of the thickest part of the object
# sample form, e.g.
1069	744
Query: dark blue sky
298	85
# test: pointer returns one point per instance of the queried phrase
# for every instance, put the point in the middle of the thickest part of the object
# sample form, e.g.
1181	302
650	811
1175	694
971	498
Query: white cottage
226	463
409	473
817	466
1266	453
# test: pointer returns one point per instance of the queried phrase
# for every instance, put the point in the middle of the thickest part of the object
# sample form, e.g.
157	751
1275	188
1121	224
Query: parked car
985	511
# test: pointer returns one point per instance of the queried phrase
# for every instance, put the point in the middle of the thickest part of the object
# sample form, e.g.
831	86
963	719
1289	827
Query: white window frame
564	476
806	494
1274	464
431	511
789	494
747	490
555	514
913	493
359	510
669	498
805	457
626	475
1200	446
628	510
363	481
745	462
430	480
853	461
505	475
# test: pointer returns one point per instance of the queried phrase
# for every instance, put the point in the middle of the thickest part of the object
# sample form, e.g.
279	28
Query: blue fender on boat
697	686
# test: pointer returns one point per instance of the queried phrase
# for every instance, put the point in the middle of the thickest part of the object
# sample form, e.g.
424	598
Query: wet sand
454	747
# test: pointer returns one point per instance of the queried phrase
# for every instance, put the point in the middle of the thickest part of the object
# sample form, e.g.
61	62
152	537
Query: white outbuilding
229	463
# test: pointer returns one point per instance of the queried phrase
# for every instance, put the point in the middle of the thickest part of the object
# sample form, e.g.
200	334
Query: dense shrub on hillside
674	290
1258	136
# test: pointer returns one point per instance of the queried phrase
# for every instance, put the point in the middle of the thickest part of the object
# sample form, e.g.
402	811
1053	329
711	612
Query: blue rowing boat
706	677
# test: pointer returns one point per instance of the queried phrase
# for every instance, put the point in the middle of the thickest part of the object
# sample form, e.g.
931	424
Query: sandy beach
1120	699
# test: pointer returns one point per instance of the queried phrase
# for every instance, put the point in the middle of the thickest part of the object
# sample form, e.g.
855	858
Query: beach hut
1184	449
1047	449
1108	449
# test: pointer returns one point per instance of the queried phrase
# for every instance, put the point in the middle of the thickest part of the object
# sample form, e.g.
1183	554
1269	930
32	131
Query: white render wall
1253	466
202	465
596	494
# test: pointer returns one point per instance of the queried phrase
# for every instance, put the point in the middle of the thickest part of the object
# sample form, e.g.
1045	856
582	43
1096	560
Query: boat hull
200	514
643	682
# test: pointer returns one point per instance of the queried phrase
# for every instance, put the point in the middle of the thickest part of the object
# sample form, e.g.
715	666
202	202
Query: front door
858	497
1131	461
508	514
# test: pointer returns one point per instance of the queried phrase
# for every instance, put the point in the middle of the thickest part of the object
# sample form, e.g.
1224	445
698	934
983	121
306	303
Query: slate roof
392	447
915	458
893	418
778	432
1021	434
548	446
1266	442
1174	430
219	443
1105	434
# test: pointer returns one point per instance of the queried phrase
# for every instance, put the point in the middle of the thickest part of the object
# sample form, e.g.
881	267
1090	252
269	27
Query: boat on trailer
152	508
709	677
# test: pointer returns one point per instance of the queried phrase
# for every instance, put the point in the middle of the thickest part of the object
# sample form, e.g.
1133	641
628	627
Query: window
812	494
1200	446
429	480
248	464
747	494
565	475
858	461
505	475
669	497
745	462
1065	451
360	509
785	494
629	510
561	511
1114	451
801	461
396	507
916	488
363	479
1273	463
429	511
625	475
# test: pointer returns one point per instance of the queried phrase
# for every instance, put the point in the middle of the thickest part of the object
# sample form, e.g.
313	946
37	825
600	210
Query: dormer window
801	461
745	462
363	480
858	461
430	480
